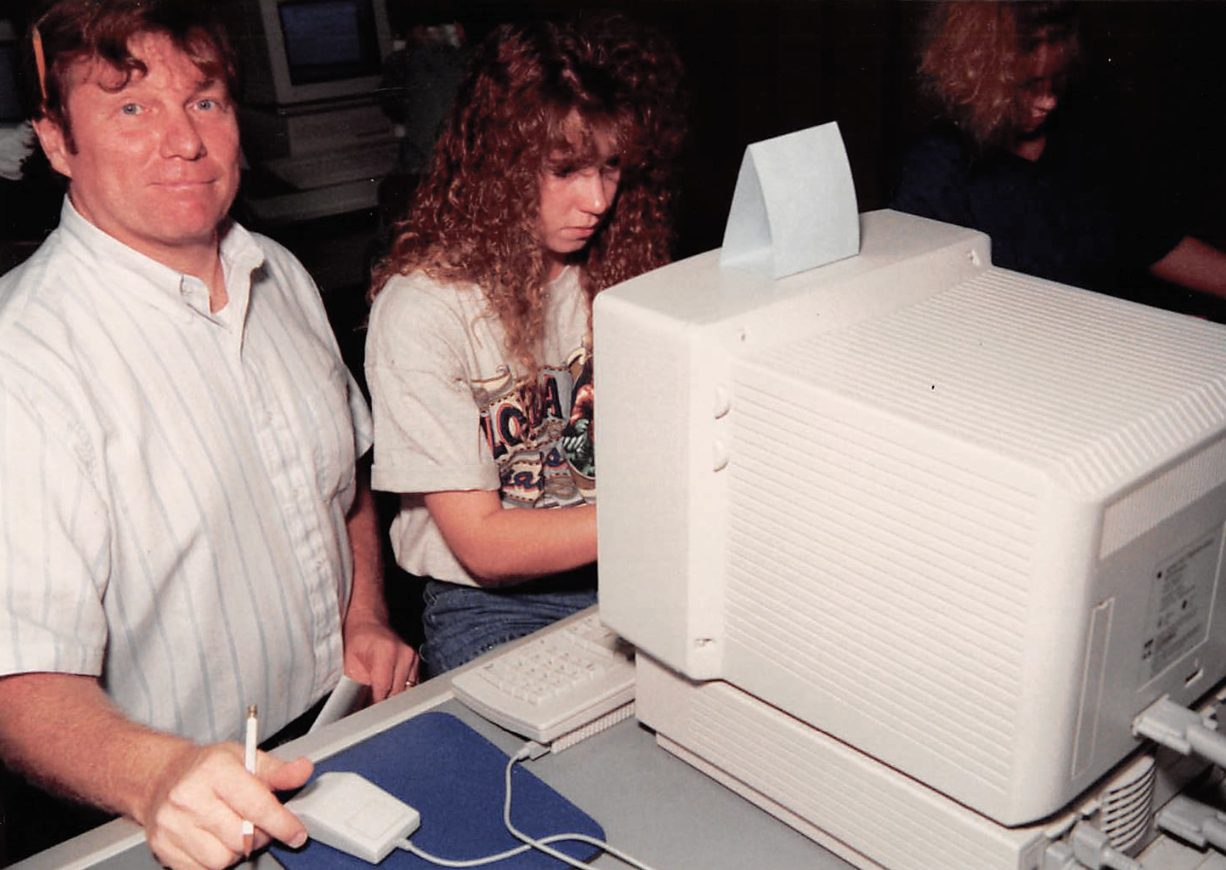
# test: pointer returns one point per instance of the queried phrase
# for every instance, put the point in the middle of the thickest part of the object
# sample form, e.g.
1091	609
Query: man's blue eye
130	109
207	104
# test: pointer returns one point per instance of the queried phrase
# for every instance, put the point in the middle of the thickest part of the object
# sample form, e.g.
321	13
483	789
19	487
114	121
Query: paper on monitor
794	207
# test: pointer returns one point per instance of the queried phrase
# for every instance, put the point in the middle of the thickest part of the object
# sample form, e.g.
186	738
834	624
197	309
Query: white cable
541	845
409	846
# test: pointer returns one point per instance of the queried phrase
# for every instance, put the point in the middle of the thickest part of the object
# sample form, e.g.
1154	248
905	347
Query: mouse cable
542	844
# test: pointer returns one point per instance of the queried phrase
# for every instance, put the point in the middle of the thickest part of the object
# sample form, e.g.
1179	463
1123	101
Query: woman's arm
498	546
1195	265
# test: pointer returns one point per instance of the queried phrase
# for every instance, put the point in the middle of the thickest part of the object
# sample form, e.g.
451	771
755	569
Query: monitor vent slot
982	361
1127	802
892	582
817	779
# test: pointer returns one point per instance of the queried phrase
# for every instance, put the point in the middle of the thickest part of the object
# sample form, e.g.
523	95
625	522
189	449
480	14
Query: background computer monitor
301	51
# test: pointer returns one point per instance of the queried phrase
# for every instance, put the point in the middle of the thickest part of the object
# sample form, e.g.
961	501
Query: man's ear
55	145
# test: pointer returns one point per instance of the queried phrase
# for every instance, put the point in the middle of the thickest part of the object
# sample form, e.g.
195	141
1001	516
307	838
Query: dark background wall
759	68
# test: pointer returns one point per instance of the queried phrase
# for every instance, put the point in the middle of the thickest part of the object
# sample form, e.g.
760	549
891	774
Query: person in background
549	183
185	531
1009	159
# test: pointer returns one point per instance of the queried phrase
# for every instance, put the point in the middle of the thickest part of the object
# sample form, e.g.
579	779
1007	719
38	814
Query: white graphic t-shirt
453	413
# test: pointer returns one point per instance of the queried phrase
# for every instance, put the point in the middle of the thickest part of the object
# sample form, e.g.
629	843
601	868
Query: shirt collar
129	271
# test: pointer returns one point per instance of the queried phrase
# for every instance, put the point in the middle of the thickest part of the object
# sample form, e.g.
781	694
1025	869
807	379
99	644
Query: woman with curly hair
1009	159
549	183
998	70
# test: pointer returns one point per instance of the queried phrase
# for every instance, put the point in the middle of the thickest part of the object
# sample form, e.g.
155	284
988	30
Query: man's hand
194	814
376	656
63	732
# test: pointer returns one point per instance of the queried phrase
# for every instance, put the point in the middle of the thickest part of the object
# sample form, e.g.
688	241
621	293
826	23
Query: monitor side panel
1166	589
878	583
916	514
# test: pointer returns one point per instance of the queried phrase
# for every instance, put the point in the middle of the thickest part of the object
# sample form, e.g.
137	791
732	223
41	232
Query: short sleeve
54	552
426	422
363	426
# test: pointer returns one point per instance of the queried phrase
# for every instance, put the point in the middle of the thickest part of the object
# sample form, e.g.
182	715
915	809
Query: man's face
156	162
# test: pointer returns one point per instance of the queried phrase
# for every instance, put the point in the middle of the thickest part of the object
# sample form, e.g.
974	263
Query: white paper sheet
794	207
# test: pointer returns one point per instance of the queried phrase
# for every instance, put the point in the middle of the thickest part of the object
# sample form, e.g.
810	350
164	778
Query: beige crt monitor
964	521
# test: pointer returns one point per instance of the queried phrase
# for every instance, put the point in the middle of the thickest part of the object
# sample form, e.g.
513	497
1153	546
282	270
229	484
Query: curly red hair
973	59
473	219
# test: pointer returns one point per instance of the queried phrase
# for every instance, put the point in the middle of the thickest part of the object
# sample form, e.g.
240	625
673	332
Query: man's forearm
374	653
366	600
62	732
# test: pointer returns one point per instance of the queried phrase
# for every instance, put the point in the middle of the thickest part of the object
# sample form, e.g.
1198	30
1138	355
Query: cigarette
253	728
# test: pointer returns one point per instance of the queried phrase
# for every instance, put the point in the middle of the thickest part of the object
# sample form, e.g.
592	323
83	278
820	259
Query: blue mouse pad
456	779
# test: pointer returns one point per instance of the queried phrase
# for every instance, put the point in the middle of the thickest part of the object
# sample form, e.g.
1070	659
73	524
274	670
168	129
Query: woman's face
1044	71
574	200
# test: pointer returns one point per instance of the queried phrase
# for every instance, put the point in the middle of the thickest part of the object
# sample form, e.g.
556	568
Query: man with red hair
186	533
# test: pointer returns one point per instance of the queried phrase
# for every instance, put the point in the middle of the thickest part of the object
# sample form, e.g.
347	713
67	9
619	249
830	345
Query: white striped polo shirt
174	483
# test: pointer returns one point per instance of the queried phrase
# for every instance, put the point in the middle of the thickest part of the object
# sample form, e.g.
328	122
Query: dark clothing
1066	217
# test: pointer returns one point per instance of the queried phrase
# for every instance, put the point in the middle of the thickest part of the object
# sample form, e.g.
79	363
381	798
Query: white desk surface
652	805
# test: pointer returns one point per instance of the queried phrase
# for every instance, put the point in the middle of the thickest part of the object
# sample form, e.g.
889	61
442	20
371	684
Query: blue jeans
462	622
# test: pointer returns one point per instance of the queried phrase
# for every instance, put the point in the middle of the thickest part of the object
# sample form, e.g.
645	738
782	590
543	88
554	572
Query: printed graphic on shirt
578	438
523	430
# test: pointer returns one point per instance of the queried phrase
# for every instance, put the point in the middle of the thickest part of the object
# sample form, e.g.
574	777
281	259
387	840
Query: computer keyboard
372	160
568	681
